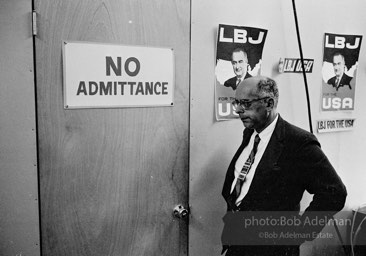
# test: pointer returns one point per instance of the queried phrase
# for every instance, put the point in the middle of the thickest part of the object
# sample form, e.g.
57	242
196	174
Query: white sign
335	125
110	76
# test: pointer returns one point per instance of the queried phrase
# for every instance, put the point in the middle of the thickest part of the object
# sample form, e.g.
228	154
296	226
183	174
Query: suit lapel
268	162
342	81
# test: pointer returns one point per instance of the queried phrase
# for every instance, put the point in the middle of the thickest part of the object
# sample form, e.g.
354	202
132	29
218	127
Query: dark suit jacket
292	163
232	81
345	81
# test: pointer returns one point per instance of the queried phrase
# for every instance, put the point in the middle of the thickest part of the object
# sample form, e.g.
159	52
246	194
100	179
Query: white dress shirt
265	136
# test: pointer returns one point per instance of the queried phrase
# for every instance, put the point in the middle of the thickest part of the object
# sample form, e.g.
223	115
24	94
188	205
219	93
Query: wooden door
109	178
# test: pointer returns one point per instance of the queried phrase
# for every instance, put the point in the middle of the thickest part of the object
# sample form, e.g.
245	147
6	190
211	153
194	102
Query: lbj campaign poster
339	71
238	56
110	76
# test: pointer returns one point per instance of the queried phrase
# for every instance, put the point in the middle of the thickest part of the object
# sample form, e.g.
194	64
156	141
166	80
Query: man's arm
321	180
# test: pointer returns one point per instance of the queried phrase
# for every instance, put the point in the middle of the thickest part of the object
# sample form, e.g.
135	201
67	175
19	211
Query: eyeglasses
246	104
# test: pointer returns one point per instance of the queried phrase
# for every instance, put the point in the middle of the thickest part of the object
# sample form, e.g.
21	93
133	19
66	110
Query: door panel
19	220
109	178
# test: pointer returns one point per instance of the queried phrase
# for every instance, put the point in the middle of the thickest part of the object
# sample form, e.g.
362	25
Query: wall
214	143
19	225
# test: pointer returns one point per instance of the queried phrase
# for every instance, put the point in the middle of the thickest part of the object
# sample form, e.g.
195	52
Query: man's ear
270	103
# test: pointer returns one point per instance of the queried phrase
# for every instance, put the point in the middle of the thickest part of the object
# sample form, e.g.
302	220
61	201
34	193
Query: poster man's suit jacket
345	81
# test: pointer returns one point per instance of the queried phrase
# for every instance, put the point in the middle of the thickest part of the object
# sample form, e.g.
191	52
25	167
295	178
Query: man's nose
239	110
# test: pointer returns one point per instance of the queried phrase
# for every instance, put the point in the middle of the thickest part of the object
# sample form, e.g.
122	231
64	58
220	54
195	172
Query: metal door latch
180	212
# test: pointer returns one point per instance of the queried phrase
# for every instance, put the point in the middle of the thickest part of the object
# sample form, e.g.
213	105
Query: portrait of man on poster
239	60
340	79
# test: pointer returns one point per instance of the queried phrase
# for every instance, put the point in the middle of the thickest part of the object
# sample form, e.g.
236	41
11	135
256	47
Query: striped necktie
245	170
337	83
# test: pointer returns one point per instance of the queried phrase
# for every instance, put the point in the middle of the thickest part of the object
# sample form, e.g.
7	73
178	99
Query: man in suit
340	79
239	60
269	174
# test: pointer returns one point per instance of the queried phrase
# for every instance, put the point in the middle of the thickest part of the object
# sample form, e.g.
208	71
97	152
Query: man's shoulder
295	134
347	78
331	80
230	81
345	75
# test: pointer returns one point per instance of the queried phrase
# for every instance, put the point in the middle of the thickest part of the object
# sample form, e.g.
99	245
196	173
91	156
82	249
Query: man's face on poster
338	65
240	63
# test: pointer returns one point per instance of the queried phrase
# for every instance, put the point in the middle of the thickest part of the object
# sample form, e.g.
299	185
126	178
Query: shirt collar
267	132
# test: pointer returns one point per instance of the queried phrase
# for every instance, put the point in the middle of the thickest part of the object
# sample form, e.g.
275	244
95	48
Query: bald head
258	87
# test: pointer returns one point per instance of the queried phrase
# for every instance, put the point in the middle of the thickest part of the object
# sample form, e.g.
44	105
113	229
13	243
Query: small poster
336	125
339	71
238	56
293	65
100	75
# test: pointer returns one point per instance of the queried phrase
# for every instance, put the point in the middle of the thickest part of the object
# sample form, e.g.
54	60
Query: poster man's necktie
244	171
336	83
238	82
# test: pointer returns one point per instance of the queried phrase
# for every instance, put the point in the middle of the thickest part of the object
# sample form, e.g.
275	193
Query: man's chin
247	123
